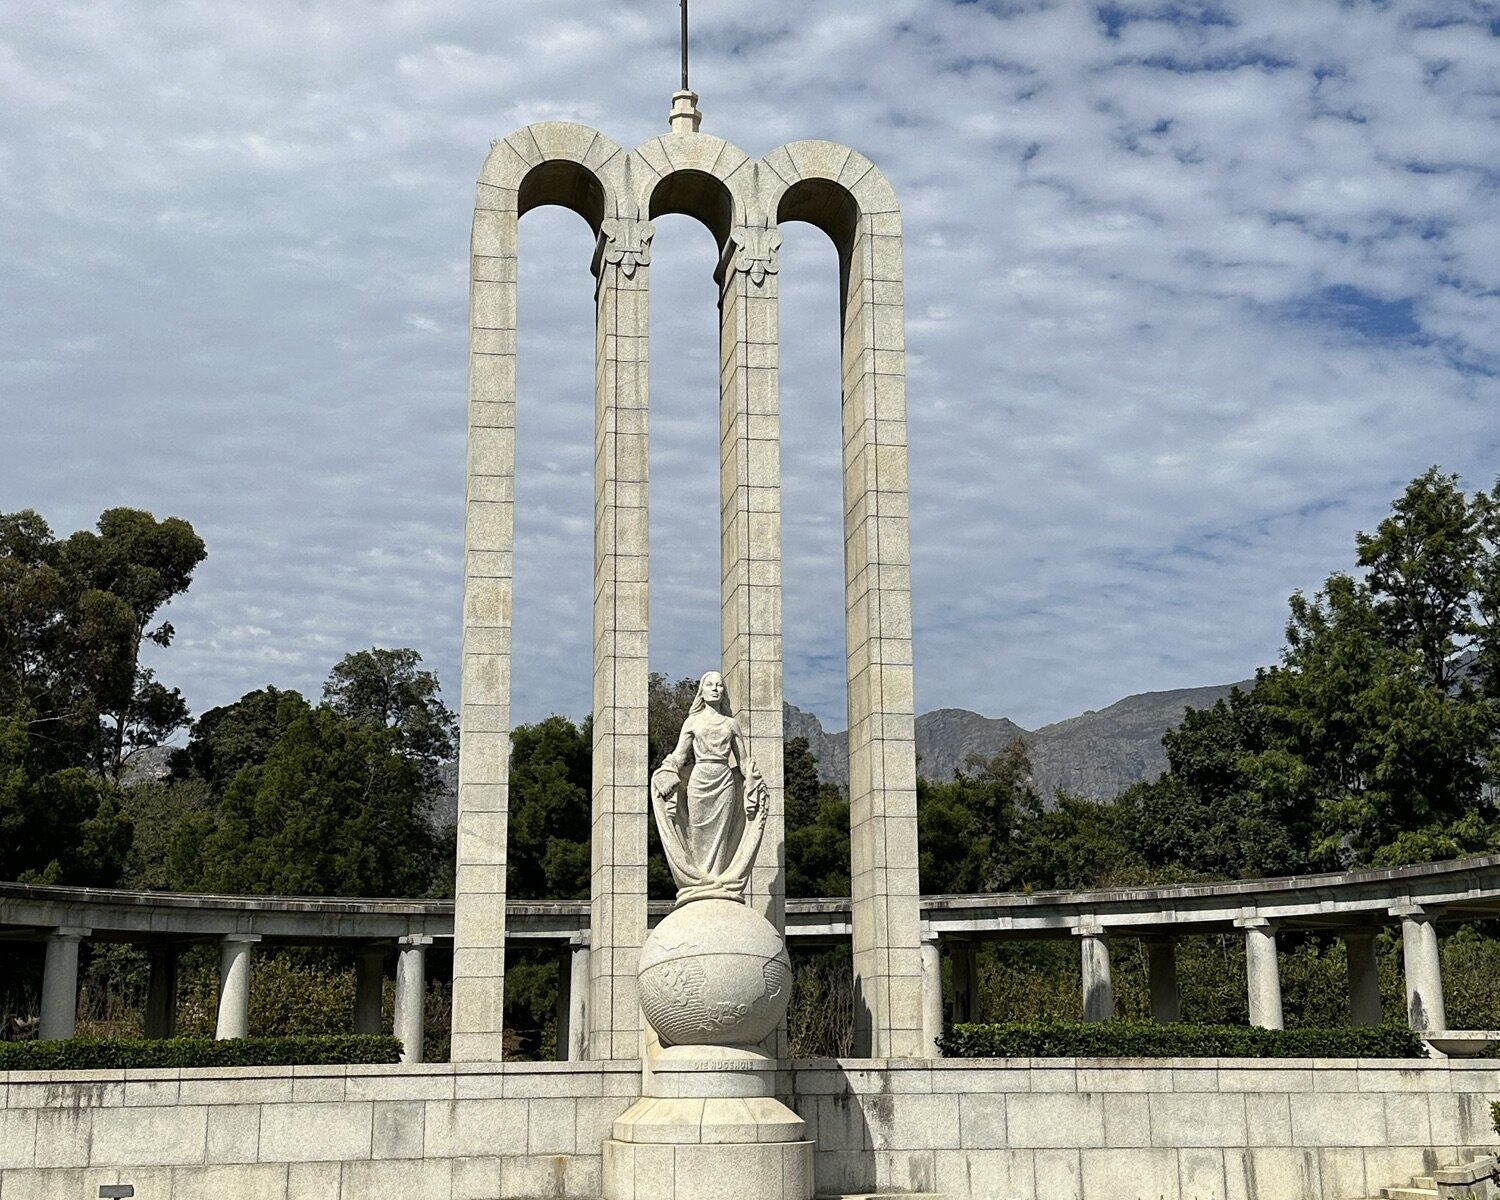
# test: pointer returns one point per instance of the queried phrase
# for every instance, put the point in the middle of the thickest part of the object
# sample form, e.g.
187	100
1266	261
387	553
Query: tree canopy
335	809
74	615
76	704
333	799
550	810
1373	741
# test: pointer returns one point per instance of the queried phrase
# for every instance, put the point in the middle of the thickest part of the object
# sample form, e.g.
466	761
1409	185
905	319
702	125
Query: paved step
1409	1193
1426	1182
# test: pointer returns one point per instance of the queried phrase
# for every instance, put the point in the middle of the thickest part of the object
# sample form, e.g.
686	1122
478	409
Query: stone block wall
420	1132
1113	1129
974	1129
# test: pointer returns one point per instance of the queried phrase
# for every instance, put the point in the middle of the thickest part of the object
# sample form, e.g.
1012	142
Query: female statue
710	816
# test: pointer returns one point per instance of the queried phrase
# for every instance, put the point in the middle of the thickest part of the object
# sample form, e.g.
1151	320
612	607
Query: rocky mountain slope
1099	753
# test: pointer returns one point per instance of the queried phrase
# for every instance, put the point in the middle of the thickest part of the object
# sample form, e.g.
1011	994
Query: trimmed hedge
1146	1039
83	1054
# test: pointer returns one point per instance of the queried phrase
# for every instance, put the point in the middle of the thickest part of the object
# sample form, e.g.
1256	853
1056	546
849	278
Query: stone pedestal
709	1126
713	980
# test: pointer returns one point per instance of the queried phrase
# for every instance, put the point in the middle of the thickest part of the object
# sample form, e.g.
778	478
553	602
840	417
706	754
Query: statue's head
712	694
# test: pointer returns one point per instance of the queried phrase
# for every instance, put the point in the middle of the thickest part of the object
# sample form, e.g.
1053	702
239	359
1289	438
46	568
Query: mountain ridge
1098	753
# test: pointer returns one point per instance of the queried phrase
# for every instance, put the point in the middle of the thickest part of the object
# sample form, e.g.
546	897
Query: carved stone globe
714	973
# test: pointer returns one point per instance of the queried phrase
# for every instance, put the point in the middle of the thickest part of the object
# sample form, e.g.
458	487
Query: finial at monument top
685	117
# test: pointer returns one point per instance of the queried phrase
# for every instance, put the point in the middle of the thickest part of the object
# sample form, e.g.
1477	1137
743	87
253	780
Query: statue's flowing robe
709	842
715	817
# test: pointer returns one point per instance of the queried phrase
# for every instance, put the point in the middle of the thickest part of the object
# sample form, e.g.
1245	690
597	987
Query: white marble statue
710	814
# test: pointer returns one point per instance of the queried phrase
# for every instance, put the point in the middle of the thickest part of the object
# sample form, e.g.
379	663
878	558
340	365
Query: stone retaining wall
1112	1129
975	1129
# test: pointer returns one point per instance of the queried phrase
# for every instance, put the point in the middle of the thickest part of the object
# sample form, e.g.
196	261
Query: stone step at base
1425	1182
1409	1193
881	1196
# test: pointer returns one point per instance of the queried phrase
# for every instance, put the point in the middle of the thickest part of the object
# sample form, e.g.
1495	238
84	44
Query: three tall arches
742	202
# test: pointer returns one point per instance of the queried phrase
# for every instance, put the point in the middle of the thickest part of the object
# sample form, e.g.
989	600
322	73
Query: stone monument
743	201
714	979
701	1000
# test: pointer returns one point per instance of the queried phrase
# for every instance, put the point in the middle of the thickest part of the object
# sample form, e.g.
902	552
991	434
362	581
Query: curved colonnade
1355	905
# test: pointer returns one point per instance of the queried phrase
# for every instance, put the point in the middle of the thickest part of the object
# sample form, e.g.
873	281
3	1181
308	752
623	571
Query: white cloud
1188	302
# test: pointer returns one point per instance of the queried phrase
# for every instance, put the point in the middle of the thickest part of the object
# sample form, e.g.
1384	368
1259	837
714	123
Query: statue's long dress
715	805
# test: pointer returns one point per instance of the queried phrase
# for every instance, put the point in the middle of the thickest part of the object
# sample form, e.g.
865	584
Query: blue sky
1192	291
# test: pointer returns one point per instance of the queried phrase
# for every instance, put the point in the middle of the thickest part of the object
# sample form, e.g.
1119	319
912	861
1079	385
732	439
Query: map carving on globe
714	973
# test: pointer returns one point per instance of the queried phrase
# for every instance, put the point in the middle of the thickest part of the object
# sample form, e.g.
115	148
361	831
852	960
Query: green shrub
1495	1115
1144	1039
76	1054
287	999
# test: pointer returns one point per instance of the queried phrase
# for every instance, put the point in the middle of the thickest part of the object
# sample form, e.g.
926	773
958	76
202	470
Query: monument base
727	1169
708	1126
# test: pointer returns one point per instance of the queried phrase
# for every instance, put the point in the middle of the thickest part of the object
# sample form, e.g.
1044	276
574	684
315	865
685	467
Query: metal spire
685	117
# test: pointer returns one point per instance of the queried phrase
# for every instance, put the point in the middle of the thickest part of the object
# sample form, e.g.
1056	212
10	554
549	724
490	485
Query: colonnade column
1262	972
411	994
932	994
369	986
617	885
1422	967
1161	975
161	990
572	999
1098	980
234	985
965	961
1364	977
60	983
750	527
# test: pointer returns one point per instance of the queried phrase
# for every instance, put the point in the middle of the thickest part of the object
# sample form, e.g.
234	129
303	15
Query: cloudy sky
1193	289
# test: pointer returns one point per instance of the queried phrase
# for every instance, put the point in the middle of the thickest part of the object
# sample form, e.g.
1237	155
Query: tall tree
74	616
227	739
817	826
75	701
389	690
1207	815
667	707
967	826
56	826
335	809
800	786
550	825
1374	739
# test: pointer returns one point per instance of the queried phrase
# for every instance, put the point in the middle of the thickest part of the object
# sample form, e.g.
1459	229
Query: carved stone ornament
627	243
755	250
